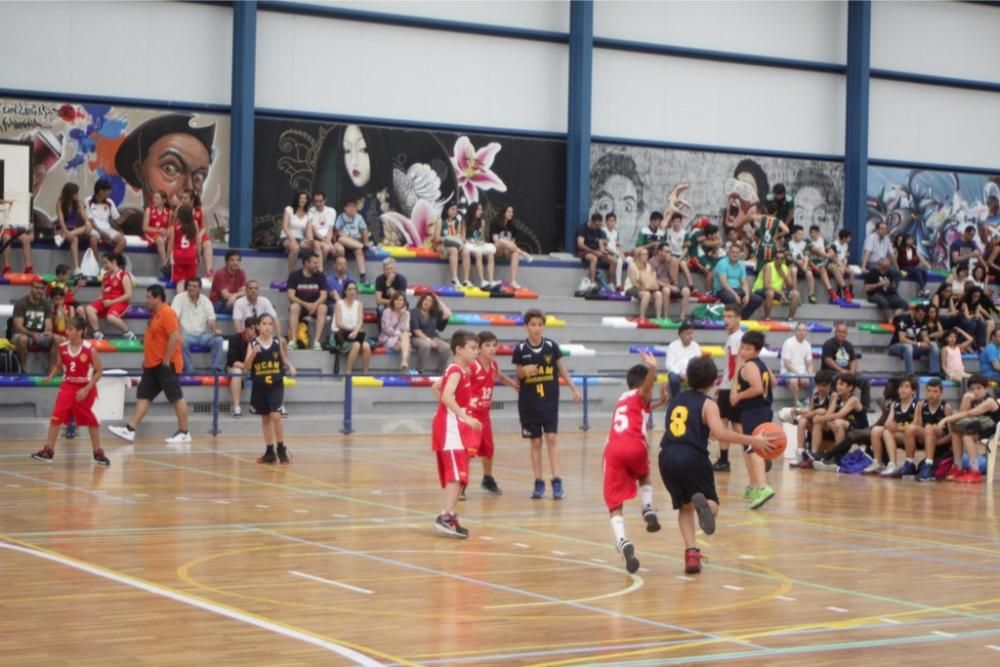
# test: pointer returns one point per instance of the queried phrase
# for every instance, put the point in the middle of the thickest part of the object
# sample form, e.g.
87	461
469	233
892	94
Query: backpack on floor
9	364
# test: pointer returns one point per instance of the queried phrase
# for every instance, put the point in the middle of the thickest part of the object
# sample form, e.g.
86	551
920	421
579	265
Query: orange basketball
766	429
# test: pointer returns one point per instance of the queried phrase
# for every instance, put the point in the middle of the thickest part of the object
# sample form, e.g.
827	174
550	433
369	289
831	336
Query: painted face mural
356	160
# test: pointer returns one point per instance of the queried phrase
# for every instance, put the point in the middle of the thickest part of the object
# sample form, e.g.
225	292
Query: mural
633	181
138	150
389	171
933	206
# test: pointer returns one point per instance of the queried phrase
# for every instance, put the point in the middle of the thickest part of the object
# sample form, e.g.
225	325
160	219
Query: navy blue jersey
856	418
538	398
266	365
931	416
762	402
901	415
819	401
684	423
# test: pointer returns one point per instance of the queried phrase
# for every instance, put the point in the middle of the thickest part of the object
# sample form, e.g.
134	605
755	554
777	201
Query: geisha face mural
356	160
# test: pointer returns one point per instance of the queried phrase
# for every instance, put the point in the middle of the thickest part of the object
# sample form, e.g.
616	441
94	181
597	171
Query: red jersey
159	220
628	423
78	368
185	250
113	284
483	380
447	432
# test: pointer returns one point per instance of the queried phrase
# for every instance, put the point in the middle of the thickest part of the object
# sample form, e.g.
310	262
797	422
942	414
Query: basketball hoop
5	206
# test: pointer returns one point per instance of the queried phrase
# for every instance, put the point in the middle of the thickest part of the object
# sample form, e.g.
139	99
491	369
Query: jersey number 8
678	421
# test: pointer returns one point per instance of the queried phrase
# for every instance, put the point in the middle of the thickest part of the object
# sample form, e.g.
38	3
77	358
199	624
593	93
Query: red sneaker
692	561
6	269
29	269
848	293
955	474
971	477
833	296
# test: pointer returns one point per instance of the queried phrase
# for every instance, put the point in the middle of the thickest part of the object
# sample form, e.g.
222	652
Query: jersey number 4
678	421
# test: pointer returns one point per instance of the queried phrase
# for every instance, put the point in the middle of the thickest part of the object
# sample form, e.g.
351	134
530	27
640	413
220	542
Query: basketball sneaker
706	520
283	457
907	469
971	477
761	496
652	521
955	474
539	491
461	493
179	438
447	523
627	550
557	490
490	486
99	457
748	493
721	466
926	472
692	560
269	456
44	455
71	430
124	432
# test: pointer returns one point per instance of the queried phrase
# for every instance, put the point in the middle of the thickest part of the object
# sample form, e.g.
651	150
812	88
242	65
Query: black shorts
267	398
685	472
751	419
601	263
534	431
726	410
154	380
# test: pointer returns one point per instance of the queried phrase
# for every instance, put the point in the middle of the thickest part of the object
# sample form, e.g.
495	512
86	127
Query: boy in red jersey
626	455
484	373
455	432
82	369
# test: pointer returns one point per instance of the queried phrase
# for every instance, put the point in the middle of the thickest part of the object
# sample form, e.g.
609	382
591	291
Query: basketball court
198	555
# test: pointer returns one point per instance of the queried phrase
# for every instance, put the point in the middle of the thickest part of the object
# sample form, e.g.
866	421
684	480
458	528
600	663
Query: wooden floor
199	556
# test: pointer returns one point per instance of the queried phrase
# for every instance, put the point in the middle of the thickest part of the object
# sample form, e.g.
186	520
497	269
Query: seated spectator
103	214
63	282
928	414
252	304
830	430
662	263
395	330
116	295
976	418
306	289
294	225
935	330
840	357
352	235
679	353
839	264
31	325
182	239
321	232
62	313
980	278
899	415
877	247
773	284
799	260
644	285
881	286
731	284
978	312
198	327
505	240
818	404
8	235
349	335
229	284
677	240
454	245
651	236
703	247
989	358
591	248
959	279
337	281
964	249
388	284
797	360
956	343
155	224
235	356
614	248
192	199
427	321
910	262
478	245
72	222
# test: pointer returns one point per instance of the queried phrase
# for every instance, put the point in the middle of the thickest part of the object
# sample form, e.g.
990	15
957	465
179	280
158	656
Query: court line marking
993	647
522	545
839	610
206	605
784	598
891	621
68	487
733	588
356	589
495	586
942	633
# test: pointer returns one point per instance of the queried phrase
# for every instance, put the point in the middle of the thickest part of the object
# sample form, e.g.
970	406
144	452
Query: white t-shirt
243	309
795	356
296	225
611	240
817	246
349	317
797	249
732	356
678	356
676	241
101	213
843	251
322	221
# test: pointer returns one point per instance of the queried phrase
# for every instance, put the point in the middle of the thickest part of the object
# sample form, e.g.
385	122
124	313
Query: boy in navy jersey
684	464
752	398
539	366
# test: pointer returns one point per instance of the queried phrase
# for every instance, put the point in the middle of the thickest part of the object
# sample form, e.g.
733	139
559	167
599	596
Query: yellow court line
121	576
549	645
838	567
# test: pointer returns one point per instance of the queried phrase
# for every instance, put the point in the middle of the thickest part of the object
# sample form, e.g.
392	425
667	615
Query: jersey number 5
678	421
620	423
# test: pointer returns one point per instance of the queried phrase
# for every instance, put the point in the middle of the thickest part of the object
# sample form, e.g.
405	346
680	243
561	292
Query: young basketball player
823	382
684	464
752	398
831	430
883	438
731	318
929	413
268	361
539	366
626	456
976	418
455	432
82	369
484	373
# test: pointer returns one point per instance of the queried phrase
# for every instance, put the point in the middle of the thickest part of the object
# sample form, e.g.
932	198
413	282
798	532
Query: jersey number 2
678	421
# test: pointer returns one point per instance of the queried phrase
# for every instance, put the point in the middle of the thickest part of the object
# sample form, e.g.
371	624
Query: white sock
646	495
909	459
618	528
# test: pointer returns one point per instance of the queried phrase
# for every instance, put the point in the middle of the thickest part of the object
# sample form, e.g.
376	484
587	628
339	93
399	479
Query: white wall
804	30
537	14
352	68
943	38
934	124
650	97
159	50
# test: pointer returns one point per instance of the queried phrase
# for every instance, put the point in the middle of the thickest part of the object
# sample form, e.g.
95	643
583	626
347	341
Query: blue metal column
859	30
581	66
242	123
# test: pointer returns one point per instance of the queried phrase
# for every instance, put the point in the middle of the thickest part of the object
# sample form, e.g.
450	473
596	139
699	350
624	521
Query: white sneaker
889	469
179	438
317	345
527	258
59	239
585	285
237	412
484	285
122	432
455	282
98	335
129	336
293	345
873	468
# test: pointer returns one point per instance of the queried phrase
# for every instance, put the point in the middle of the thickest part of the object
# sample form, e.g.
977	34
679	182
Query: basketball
766	429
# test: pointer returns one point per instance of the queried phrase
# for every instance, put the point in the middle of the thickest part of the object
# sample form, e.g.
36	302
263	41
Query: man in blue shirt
337	281
731	285
989	359
965	248
592	249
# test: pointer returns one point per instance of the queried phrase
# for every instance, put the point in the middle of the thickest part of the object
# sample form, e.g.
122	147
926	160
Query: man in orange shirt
161	363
